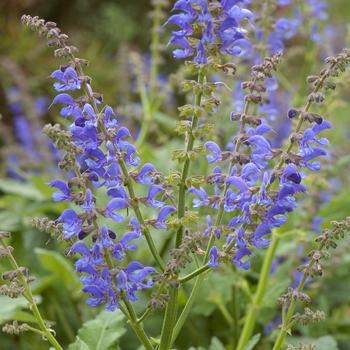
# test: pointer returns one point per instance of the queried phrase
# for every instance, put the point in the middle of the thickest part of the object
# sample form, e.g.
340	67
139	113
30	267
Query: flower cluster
217	21
99	152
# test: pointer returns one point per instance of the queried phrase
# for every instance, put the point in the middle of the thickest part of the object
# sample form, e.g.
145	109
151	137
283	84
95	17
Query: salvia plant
144	241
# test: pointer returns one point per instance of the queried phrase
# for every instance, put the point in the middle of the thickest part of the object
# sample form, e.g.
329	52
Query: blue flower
62	186
212	229
257	240
88	204
121	246
73	107
215	149
71	223
68	77
143	178
105	238
129	160
115	204
240	253
152	192
201	194
214	257
313	153
162	215
107	121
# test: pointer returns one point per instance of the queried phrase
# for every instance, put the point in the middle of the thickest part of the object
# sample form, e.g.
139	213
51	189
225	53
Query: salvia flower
69	78
241	253
152	192
203	201
144	178
214	257
115	204
162	215
215	149
63	187
226	35
71	223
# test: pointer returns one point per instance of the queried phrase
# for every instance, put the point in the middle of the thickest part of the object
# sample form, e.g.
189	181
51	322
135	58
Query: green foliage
102	333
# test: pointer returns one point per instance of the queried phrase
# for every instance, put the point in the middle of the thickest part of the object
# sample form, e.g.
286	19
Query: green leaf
9	307
216	344
55	262
42	283
102	332
10	221
252	342
326	342
25	190
78	345
23	316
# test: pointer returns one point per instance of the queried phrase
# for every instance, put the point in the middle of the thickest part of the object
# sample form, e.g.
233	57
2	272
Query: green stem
186	166
287	323
236	315
33	307
187	309
195	273
167	336
149	107
254	307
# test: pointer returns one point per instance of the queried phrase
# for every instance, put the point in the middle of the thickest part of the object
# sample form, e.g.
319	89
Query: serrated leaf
78	345
215	344
252	342
104	331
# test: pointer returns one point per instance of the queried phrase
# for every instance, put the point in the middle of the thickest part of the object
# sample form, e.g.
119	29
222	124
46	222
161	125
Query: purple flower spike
214	148
115	204
163	213
62	186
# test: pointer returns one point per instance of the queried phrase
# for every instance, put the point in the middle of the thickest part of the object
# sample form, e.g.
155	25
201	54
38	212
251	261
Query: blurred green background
108	34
